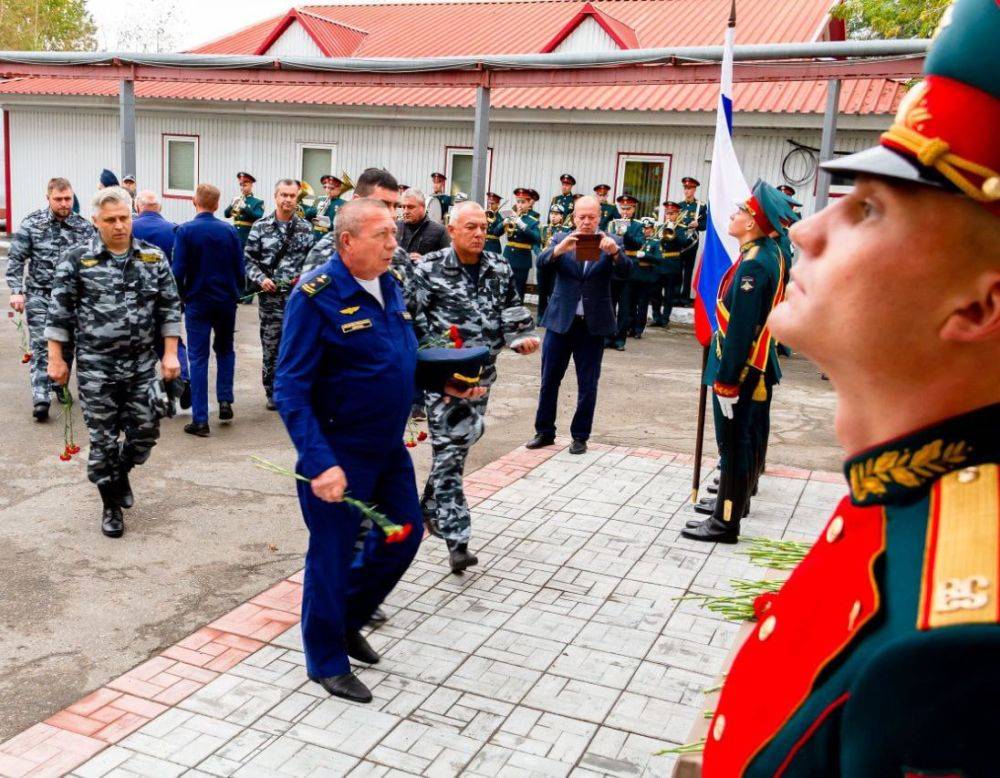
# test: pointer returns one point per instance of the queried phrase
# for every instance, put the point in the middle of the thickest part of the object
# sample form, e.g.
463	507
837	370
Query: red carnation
74	449
411	444
10	314
65	457
399	535
26	358
421	436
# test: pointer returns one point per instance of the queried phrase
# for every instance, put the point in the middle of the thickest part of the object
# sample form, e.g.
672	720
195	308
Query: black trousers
688	257
587	352
738	443
665	290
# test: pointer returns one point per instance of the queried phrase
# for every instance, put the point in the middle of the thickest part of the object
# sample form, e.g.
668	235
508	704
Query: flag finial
732	14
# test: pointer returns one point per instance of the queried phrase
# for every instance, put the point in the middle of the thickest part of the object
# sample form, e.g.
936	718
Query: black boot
459	557
359	648
707	508
112	523
41	411
125	497
714	530
541	440
348	686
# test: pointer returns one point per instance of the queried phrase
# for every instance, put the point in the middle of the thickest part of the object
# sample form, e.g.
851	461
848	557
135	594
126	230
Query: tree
148	26
46	25
891	18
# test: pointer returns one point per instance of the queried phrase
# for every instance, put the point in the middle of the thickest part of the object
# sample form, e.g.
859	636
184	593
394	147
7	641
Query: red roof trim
618	31
290	18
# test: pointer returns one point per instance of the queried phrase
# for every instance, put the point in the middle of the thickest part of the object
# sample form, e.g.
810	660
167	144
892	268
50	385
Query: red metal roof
517	26
861	96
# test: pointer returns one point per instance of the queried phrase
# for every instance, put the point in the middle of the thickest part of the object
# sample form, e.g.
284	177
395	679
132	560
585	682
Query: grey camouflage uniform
261	250
491	314
115	310
39	243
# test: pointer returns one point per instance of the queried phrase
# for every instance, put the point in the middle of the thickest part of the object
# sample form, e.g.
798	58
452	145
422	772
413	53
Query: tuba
348	183
666	230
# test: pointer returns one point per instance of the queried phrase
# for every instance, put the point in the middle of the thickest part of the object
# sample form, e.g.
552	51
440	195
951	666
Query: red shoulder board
819	610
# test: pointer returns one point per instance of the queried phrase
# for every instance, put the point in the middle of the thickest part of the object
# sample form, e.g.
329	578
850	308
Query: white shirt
373	287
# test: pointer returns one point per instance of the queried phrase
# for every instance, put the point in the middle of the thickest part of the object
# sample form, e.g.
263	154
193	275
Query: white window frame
181	194
331	147
667	160
450	152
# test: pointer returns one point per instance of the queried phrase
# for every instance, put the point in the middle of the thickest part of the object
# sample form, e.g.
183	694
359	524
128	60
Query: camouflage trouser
115	403
454	426
36	314
271	311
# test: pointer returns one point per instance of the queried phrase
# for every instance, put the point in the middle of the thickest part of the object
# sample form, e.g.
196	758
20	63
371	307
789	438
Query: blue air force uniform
344	387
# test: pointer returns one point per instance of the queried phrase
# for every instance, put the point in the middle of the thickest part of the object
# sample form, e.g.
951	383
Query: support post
126	112
828	141
480	144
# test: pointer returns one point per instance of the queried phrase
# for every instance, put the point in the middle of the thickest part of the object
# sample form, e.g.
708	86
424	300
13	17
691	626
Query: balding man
344	385
474	290
578	318
417	234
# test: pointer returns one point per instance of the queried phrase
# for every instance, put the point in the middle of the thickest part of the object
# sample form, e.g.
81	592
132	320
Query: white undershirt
373	287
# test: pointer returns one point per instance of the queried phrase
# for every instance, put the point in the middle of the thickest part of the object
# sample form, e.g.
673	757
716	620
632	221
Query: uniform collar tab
903	469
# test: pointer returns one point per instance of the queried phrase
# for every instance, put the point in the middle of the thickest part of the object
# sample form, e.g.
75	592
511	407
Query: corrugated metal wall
77	144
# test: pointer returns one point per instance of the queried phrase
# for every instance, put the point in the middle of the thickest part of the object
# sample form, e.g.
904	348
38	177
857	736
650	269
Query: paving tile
493	679
425	750
343	726
652	717
180	737
569	697
422	662
456	634
538	623
287	756
558	740
528	651
617	753
235	699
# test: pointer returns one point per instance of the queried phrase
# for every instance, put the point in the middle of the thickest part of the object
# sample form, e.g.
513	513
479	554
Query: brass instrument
619	226
491	215
666	230
237	206
348	183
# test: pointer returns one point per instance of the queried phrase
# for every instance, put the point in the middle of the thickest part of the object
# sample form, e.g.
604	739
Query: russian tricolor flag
726	187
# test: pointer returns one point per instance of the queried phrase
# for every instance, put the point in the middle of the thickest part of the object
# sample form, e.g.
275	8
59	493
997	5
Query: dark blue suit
208	266
344	386
153	228
578	318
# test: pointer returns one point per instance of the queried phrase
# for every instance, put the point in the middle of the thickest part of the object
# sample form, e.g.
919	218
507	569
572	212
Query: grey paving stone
347	727
534	621
529	651
600	667
290	757
422	662
492	678
234	699
569	697
617	753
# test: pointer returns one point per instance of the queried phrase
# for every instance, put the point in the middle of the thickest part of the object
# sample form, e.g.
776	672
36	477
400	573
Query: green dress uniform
323	206
523	240
609	211
621	293
668	279
566	201
694	217
639	288
545	274
245	215
494	231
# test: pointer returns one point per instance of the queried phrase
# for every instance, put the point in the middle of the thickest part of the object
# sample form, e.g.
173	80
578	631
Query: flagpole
699	441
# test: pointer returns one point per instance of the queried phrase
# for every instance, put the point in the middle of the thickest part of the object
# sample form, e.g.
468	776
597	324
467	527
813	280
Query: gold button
766	627
835	529
853	617
718	727
968	475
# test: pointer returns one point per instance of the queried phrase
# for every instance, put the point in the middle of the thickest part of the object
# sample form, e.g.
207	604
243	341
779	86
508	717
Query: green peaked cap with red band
945	132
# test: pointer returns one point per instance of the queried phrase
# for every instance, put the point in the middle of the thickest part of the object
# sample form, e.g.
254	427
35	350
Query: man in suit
208	266
417	234
578	318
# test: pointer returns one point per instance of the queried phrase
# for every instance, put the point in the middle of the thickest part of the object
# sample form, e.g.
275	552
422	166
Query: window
316	160
458	168
644	176
180	165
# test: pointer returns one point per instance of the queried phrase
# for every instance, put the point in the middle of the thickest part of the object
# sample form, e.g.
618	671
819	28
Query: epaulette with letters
314	286
962	553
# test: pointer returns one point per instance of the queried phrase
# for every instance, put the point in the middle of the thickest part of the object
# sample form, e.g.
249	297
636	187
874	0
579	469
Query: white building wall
588	36
295	42
77	144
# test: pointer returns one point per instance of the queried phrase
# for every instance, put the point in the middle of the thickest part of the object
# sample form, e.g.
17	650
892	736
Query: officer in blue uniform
344	387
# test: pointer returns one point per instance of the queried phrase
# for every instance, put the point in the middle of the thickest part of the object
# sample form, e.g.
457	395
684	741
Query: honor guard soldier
112	298
40	242
559	223
694	219
878	656
324	210
629	229
669	271
742	364
245	209
643	277
566	197
275	255
439	201
494	223
608	211
523	237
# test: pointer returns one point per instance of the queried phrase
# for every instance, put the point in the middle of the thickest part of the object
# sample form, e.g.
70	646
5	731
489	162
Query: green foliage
890	18
46	25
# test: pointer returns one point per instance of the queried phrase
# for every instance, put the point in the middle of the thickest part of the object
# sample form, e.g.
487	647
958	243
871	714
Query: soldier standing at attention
694	219
275	255
742	363
244	211
558	223
494	223
629	229
523	237
566	197
324	211
668	281
113	297
878	657
41	240
474	290
644	275
437	211
608	210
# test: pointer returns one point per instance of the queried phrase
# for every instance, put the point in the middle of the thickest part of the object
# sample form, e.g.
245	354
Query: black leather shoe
272	406
459	557
714	531
125	497
712	488
185	398
705	506
112	523
225	411
194	428
540	441
619	346
41	412
378	618
359	648
348	686
578	447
